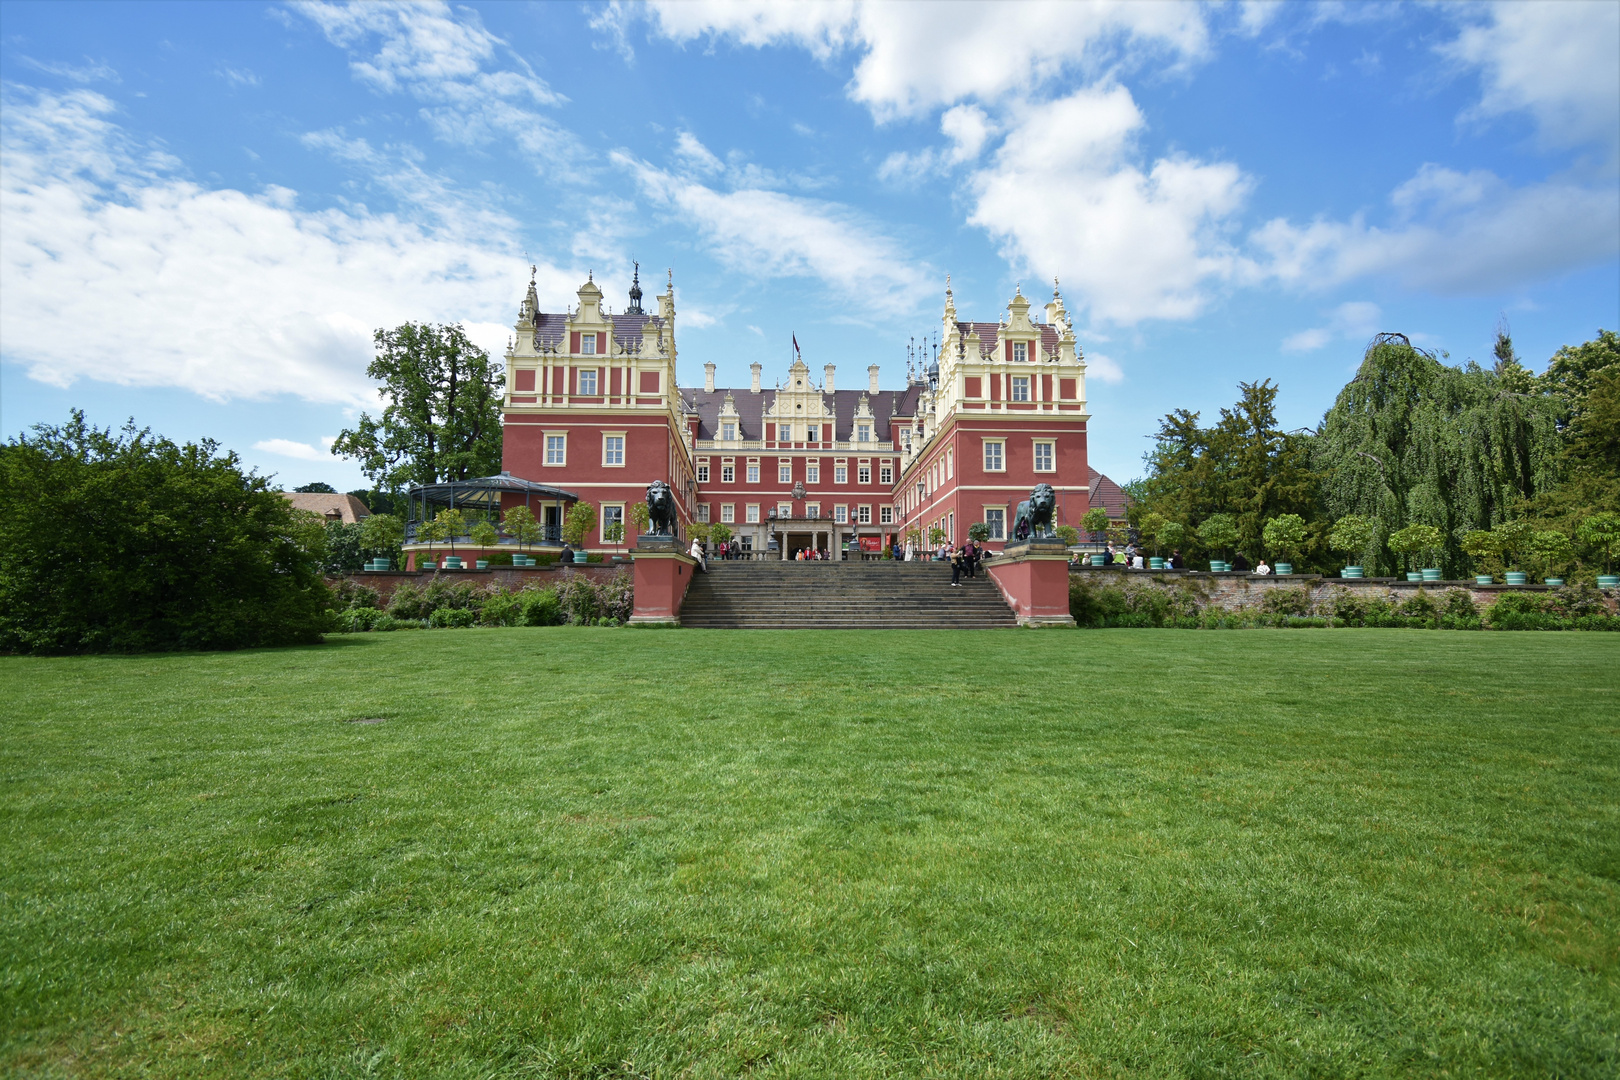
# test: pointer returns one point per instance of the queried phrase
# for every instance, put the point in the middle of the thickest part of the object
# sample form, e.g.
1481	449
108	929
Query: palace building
593	406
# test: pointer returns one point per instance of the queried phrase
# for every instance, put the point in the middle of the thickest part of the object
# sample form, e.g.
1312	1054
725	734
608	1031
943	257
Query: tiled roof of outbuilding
346	508
1109	495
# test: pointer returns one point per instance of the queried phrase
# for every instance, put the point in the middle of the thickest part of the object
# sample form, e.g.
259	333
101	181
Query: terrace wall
507	577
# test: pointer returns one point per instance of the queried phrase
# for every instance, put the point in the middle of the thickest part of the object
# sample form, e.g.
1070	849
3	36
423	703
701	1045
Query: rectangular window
812	510
728	431
992	455
703	512
886	473
703	474
747	542
587	344
784	510
728	512
1045	455
1020	388
587	382
841	514
613	450
753	513
863	474
950	462
840	474
996	518
1020	355
863	433
814	433
753	472
812	473
784	433
728	474
611	515
784	473
865	515
886	515
556	449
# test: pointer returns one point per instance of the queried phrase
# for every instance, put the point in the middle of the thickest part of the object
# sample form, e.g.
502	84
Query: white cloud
770	234
238	76
116	267
88	72
1105	368
452	66
918	57
1066	198
966	126
695	156
1453	233
1555	61
302	451
1351	320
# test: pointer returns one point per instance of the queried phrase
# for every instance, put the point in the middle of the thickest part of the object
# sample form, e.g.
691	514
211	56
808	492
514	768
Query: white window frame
703	512
812	472
784	432
886	472
997	523
751	516
703	472
950	462
593	373
753	472
1050	446
885	515
863	432
728	473
863	474
728	513
840	472
608	519
784	472
561	449
1020	353
607	449
863	514
587	344
812	510
1000	464
813	433
841	514
1019	390
728	431
784	510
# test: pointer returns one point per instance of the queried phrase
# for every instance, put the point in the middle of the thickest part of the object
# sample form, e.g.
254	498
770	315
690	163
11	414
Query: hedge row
1182	605
447	604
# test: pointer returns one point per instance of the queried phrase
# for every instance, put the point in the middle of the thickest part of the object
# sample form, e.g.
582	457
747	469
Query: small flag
795	345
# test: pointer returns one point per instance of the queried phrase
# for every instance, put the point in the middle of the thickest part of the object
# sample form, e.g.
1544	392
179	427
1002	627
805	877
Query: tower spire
635	292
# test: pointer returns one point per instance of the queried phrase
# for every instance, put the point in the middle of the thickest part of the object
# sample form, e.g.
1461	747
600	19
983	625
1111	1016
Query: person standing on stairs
697	553
958	557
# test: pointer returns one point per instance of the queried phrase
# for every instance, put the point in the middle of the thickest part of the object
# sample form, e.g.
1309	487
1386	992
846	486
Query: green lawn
604	853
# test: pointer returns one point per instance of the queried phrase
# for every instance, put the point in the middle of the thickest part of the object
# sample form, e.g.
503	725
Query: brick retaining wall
1239	590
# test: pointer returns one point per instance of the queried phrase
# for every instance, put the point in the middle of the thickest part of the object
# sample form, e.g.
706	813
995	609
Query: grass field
605	853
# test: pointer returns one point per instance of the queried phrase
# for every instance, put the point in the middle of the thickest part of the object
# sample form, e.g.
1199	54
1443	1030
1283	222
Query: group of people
1132	558
967	558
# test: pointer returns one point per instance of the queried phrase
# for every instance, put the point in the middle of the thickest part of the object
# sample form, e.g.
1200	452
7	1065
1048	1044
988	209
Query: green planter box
1609	581
1155	564
1217	566
482	564
1431	575
581	557
1414	575
1353	572
1285	568
1517	577
1096	560
1555	582
1484	579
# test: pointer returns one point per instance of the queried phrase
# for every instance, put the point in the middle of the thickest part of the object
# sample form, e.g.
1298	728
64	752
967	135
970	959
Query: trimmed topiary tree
1095	520
1600	535
1218	533
1284	536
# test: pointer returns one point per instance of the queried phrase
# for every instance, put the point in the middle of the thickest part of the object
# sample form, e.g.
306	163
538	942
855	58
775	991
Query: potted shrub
978	532
1551	549
1485	547
614	534
1353	535
1285	536
1600	534
1147	527
382	532
1095	522
430	532
1422	540
522	527
577	523
1218	533
483	535
1172	534
1515	540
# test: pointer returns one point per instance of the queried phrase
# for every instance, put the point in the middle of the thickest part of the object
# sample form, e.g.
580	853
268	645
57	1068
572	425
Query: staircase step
841	596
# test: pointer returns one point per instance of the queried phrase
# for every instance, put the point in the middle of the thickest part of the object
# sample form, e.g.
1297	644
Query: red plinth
1035	582
661	581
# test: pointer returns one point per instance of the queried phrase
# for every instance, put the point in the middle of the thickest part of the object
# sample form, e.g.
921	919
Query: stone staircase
842	596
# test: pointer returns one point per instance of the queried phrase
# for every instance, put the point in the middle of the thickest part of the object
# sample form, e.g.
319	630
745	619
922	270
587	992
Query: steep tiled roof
989	332
1109	495
627	329
346	508
751	410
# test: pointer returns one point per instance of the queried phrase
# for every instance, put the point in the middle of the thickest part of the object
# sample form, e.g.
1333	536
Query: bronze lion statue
661	517
1034	517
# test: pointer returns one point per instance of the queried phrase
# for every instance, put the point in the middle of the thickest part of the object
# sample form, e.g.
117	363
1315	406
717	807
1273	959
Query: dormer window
587	382
814	434
587	344
1020	352
784	433
863	433
728	431
1020	387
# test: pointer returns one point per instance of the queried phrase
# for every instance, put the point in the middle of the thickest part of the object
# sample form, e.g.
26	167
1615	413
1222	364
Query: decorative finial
947	284
671	271
1054	285
590	275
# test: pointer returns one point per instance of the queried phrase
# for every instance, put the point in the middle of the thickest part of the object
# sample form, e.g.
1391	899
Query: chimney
827	372
871	377
708	377
753	383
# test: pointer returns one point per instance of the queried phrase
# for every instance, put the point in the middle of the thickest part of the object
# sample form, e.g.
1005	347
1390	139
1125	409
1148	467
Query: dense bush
131	543
1182	606
444	603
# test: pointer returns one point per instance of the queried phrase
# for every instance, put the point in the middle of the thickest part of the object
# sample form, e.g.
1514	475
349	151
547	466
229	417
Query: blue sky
208	207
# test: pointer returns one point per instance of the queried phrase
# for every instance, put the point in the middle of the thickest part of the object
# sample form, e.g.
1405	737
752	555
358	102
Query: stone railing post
662	573
1033	576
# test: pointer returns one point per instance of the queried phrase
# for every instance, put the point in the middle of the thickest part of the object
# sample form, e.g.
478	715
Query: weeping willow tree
1412	441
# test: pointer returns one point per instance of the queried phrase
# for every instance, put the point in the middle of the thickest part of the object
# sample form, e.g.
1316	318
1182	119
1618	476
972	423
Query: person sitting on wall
1262	569
1174	561
1240	562
567	553
697	553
